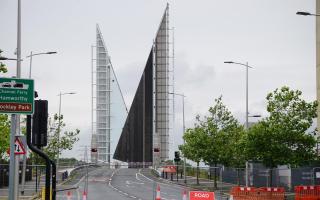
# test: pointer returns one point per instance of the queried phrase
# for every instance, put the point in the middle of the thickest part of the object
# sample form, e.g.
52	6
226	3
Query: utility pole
15	124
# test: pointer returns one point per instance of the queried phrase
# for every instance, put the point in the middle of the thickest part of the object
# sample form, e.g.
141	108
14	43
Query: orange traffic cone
84	195
69	195
158	193
184	196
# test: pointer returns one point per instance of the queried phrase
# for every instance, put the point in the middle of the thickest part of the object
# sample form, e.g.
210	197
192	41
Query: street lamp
5	58
247	67
306	14
59	122
317	54
184	129
36	54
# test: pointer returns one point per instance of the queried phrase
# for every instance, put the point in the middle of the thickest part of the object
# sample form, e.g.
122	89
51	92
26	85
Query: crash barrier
307	192
251	193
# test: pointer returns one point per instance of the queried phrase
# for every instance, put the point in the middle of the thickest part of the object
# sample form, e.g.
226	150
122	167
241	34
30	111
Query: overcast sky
278	44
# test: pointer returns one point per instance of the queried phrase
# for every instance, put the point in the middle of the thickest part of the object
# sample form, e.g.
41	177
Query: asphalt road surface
122	184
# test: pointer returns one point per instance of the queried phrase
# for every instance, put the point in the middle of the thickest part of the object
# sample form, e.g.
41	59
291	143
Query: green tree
4	123
195	145
65	141
3	67
223	132
4	134
282	137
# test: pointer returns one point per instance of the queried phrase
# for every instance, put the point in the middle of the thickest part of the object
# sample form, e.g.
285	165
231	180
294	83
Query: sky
277	43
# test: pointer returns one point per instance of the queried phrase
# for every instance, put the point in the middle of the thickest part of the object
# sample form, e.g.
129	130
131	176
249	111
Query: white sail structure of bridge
109	110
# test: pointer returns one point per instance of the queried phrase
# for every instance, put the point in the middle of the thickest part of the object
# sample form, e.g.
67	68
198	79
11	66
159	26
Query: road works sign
18	147
16	96
200	195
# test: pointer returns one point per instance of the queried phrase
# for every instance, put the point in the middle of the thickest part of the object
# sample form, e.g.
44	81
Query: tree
4	134
65	141
223	132
195	145
282	137
3	67
4	123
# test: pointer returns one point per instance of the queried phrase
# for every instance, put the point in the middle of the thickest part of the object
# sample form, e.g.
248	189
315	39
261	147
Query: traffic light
40	123
177	156
94	150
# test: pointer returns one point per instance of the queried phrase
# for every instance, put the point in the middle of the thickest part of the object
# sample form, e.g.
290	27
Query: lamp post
306	14
184	129
59	123
317	54
247	69
14	167
36	54
5	58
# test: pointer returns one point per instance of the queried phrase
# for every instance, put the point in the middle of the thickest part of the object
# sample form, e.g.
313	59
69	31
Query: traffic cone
184	196
84	195
158	193
69	195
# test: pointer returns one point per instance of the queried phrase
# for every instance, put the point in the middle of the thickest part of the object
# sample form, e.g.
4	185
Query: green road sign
16	95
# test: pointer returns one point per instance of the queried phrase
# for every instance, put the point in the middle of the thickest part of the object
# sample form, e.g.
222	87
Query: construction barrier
251	193
243	193
271	193
307	192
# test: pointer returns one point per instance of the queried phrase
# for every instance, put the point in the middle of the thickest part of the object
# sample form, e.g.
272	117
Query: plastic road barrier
307	192
271	193
244	193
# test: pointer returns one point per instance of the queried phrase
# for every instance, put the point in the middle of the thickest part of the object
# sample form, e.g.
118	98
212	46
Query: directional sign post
16	96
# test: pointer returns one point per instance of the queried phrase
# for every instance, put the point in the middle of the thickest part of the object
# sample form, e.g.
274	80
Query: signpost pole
12	160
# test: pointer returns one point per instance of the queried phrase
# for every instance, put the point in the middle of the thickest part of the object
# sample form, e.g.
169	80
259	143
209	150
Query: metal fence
255	175
34	178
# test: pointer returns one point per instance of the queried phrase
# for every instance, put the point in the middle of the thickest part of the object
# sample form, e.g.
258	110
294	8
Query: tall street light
5	58
247	69
59	122
184	129
306	14
36	54
317	55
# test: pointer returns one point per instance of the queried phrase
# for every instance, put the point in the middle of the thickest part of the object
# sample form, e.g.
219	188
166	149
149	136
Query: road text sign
200	195
16	95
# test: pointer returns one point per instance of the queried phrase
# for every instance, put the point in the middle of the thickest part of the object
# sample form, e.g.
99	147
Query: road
122	184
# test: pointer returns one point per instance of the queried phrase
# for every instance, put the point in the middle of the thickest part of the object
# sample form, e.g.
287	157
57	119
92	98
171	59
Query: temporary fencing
251	193
272	193
243	193
307	192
